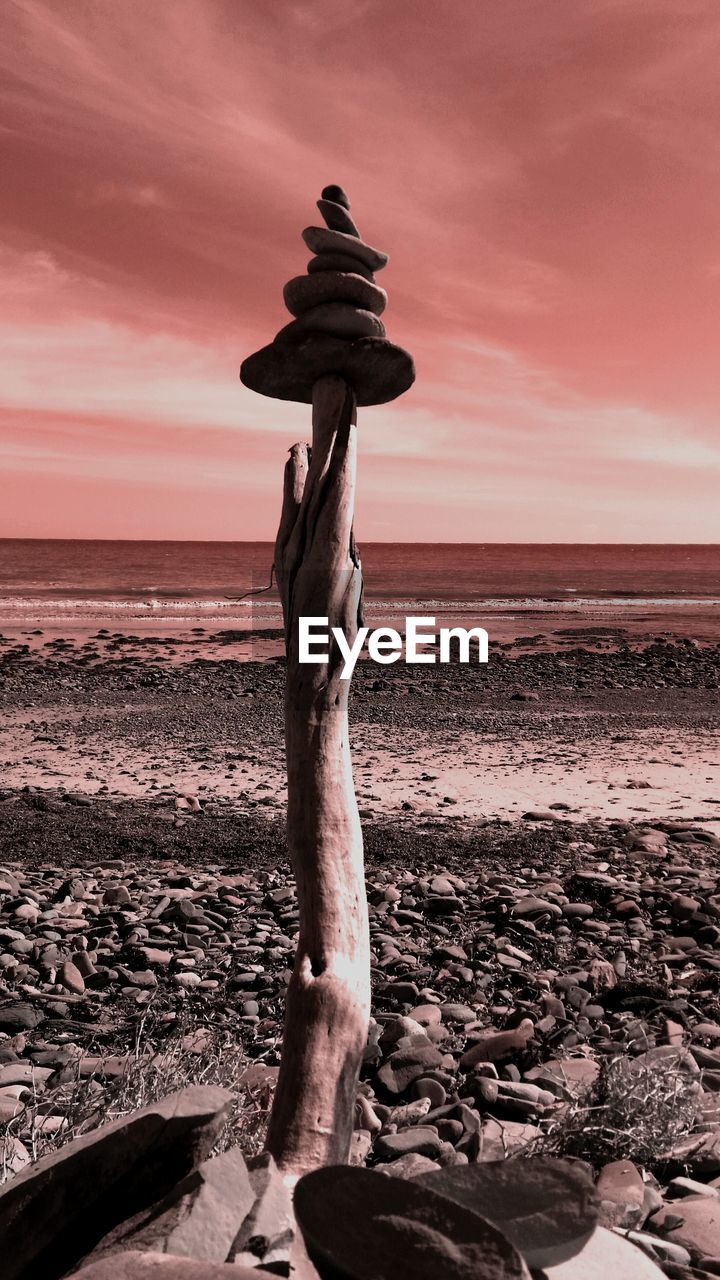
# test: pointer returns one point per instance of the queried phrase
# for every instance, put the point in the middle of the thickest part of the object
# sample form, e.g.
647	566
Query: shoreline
192	627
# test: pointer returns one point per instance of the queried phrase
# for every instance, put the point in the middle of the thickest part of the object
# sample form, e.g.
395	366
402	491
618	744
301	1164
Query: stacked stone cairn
337	328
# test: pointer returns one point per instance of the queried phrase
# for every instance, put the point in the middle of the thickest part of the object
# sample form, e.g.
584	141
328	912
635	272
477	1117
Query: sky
544	175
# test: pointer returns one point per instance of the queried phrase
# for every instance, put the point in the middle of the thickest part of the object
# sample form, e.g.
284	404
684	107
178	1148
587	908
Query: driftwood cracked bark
328	999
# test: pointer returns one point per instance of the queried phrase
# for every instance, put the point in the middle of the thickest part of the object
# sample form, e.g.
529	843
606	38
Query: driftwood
328	1001
335	355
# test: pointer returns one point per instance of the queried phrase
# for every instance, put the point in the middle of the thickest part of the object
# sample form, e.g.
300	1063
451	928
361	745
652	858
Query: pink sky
543	173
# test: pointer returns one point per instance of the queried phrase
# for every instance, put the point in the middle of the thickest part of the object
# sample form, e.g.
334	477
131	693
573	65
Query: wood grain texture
328	1000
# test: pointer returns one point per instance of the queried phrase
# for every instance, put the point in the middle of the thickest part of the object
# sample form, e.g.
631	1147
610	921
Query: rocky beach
542	839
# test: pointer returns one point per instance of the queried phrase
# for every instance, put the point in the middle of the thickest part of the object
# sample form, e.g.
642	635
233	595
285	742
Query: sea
80	584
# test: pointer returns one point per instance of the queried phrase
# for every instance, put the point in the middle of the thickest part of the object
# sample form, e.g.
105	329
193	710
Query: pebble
470	1058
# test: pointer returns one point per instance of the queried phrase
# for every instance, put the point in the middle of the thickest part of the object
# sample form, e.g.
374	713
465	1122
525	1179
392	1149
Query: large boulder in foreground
200	1218
359	1225
547	1208
55	1212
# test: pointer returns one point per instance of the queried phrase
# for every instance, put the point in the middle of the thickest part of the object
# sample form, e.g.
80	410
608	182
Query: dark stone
336	194
16	1016
421	1139
497	1046
358	1223
405	1065
376	369
322	240
304	292
337	217
548	1208
339	319
339	262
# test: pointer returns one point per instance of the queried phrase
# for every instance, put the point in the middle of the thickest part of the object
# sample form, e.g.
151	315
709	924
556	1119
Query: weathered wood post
335	356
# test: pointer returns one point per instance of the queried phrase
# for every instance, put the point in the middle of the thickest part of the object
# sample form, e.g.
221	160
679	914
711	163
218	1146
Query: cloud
543	177
145	196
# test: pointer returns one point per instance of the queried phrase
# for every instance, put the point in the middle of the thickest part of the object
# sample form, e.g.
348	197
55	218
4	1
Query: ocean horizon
47	580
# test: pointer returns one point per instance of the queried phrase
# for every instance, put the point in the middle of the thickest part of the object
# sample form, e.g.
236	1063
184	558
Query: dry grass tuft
78	1105
633	1111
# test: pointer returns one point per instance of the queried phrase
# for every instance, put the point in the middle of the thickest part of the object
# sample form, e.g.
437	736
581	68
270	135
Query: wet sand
611	727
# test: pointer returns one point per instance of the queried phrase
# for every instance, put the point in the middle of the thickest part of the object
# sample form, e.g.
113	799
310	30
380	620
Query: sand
612	727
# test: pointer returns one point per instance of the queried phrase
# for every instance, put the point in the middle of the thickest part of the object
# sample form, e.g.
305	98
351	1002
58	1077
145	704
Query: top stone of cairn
336	327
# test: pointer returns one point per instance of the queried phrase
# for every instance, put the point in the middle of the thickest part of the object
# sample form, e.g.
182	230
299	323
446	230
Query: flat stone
459	1013
547	1208
339	262
303	293
441	885
497	1046
401	992
116	895
357	1223
409	1166
199	1218
620	1183
420	1139
339	319
406	1065
428	1015
55	1212
322	240
71	978
606	1254
667	1057
503	1138
700	1232
662	1250
24	1073
681	1188
188	980
337	217
154	956
377	370
602	975
398	1028
10	1107
18	1016
565	1075
532	907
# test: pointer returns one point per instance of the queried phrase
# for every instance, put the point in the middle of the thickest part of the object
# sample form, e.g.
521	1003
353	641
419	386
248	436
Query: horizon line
365	542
